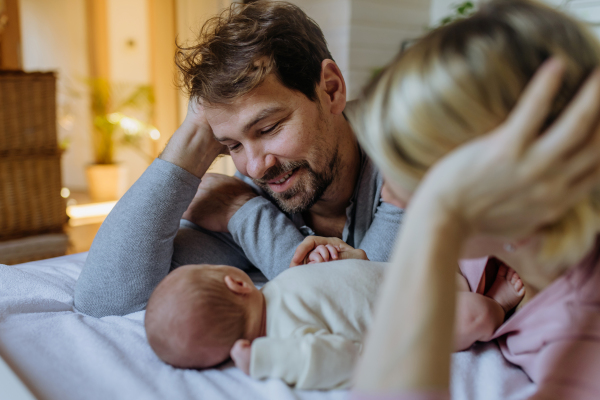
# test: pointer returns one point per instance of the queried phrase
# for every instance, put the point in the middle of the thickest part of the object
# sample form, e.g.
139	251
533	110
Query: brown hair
460	82
237	49
193	319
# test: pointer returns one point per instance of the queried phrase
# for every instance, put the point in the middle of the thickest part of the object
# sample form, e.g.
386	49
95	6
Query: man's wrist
192	149
238	203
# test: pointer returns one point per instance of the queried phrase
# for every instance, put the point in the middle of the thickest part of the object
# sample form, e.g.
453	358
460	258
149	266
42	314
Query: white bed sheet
62	354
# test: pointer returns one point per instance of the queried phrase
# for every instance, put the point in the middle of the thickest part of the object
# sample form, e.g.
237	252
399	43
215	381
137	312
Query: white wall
364	35
129	64
128	41
378	28
191	15
334	18
586	10
54	38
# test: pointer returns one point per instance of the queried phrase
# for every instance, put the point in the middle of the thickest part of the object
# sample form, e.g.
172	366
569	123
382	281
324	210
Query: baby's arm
312	361
317	249
241	353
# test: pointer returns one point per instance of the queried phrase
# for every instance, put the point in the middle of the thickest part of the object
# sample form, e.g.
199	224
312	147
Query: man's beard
307	190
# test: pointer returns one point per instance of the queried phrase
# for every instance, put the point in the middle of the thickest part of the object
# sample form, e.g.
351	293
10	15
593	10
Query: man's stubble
313	184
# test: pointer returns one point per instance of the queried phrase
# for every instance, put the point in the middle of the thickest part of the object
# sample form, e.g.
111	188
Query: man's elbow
95	305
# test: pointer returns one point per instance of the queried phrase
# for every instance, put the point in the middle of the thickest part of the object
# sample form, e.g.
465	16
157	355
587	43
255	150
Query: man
264	89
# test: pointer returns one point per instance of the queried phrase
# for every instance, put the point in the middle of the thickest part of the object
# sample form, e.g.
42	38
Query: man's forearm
378	242
133	248
267	236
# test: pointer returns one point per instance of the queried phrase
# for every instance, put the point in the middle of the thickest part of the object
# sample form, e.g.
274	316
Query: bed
62	354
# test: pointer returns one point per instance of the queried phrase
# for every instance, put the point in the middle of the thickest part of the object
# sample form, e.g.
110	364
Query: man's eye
237	146
271	129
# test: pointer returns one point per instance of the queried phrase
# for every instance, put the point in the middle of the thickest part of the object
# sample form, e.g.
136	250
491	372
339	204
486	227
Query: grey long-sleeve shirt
142	238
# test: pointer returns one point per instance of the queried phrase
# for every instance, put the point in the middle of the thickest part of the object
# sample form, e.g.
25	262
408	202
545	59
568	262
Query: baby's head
197	312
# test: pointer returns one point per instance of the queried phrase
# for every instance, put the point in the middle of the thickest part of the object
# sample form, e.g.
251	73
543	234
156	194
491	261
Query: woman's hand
514	180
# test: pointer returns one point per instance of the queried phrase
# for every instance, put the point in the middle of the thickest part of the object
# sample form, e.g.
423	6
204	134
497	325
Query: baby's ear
237	285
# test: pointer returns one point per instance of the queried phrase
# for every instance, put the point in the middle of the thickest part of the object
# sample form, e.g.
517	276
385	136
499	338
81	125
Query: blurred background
88	99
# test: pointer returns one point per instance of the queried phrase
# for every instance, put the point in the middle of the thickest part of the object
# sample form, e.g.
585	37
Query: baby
306	326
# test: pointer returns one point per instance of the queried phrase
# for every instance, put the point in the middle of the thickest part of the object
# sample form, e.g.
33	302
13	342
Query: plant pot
106	182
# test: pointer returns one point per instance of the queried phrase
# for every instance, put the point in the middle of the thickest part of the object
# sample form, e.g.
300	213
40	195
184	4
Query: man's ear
333	86
236	285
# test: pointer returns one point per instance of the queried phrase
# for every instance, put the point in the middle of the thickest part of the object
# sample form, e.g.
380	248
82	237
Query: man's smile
283	182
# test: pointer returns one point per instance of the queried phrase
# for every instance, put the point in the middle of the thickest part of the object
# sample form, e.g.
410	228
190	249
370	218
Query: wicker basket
30	201
27	111
33	248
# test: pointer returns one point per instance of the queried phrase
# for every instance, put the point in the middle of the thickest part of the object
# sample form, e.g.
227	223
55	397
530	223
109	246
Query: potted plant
120	117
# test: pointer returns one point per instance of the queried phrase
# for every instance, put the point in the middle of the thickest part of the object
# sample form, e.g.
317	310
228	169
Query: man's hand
317	249
217	199
241	353
193	146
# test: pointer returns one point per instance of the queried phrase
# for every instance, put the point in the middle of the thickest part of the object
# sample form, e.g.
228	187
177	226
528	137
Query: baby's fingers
303	249
314	258
333	252
323	252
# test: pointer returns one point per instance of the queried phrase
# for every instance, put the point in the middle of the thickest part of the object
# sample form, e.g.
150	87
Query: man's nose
259	162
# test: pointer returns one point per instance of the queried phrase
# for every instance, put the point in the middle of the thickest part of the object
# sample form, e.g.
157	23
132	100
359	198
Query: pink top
555	337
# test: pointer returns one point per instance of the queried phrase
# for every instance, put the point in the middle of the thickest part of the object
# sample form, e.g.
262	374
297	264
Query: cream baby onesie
317	318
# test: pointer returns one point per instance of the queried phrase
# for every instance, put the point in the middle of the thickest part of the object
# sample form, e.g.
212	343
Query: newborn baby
305	327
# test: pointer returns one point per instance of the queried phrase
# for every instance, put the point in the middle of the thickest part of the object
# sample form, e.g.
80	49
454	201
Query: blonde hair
193	319
461	81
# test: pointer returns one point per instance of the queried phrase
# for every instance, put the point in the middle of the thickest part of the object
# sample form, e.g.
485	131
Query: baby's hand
317	249
323	253
240	354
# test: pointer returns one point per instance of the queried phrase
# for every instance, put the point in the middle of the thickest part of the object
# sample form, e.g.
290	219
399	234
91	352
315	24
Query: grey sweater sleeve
267	236
132	251
380	238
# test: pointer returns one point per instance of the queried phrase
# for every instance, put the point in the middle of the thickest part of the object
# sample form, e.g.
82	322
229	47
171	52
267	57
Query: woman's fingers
586	184
581	166
575	128
526	120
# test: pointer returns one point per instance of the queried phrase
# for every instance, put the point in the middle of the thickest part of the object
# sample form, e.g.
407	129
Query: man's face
281	140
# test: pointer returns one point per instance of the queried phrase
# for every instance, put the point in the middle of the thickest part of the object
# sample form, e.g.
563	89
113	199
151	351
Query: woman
524	193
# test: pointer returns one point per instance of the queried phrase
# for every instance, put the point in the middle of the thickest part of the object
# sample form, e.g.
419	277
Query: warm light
130	125
64	193
155	134
89	213
114	118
